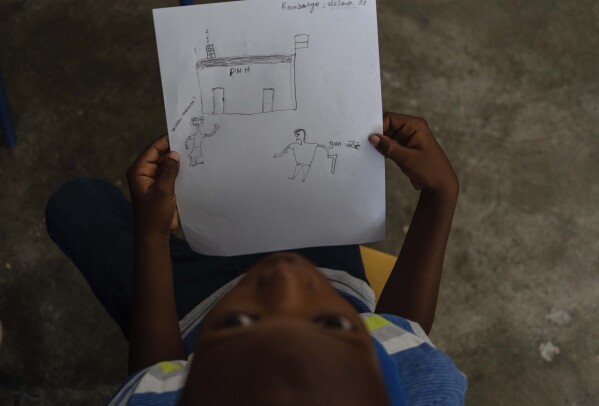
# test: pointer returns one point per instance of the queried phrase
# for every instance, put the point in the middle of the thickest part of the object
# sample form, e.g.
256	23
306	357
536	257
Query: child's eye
335	322
236	320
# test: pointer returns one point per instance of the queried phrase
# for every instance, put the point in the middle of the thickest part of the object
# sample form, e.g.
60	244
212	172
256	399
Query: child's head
284	336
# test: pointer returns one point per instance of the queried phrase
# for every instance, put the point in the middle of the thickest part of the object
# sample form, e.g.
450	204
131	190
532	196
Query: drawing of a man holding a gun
194	141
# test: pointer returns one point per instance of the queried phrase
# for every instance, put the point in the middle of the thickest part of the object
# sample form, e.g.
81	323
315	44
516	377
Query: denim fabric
91	221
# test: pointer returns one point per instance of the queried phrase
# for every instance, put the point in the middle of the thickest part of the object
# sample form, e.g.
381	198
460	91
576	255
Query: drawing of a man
304	153
194	141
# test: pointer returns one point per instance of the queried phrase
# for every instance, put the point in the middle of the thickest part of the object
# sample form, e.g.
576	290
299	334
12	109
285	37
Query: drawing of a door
218	95
268	100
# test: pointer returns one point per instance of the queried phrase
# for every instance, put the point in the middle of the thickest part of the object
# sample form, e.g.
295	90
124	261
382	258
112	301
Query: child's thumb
169	169
389	148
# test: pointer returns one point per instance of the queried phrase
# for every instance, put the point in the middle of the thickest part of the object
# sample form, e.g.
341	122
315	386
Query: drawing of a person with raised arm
304	153
194	141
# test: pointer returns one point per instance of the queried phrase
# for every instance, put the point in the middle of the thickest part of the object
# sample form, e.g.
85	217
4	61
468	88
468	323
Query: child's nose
286	288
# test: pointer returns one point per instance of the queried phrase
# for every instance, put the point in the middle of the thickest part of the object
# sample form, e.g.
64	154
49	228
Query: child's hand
410	144
152	184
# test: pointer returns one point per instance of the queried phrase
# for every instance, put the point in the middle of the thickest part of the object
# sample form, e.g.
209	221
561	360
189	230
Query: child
296	328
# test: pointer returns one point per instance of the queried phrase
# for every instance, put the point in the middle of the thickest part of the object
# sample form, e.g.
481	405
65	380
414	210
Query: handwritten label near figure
182	115
311	6
353	144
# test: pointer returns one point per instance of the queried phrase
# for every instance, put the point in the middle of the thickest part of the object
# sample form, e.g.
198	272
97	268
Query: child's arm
413	286
154	334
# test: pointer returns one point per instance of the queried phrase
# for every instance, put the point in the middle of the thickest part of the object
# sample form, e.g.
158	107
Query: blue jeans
91	221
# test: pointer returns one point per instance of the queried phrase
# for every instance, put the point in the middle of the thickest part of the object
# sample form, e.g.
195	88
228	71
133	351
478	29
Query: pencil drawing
194	141
247	85
304	154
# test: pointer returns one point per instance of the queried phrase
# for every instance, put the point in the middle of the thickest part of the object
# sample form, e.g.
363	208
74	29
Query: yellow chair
378	266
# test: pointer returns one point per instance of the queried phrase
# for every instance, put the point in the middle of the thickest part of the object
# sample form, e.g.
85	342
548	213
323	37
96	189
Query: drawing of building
248	84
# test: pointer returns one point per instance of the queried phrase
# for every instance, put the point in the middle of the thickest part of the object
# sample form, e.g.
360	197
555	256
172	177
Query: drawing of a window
249	82
268	100
218	100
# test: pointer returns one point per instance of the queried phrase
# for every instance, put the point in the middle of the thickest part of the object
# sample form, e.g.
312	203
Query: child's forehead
285	358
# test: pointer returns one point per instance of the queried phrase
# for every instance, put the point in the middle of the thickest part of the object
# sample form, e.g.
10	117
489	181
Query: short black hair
296	132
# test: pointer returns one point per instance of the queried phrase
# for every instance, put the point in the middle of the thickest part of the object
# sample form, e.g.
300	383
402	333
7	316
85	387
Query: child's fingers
165	178
396	119
399	127
147	162
391	149
162	157
175	222
153	151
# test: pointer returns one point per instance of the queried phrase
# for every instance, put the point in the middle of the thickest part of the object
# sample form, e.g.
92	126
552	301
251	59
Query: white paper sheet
269	104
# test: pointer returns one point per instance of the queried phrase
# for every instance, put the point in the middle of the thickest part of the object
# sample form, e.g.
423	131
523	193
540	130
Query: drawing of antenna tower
248	85
210	53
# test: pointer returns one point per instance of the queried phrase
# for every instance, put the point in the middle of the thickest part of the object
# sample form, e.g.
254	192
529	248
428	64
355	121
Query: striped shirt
414	371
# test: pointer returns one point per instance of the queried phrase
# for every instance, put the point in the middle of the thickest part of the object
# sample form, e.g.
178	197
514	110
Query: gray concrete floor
510	89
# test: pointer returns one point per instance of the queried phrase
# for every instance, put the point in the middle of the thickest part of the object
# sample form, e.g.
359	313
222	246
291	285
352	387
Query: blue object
5	121
186	2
